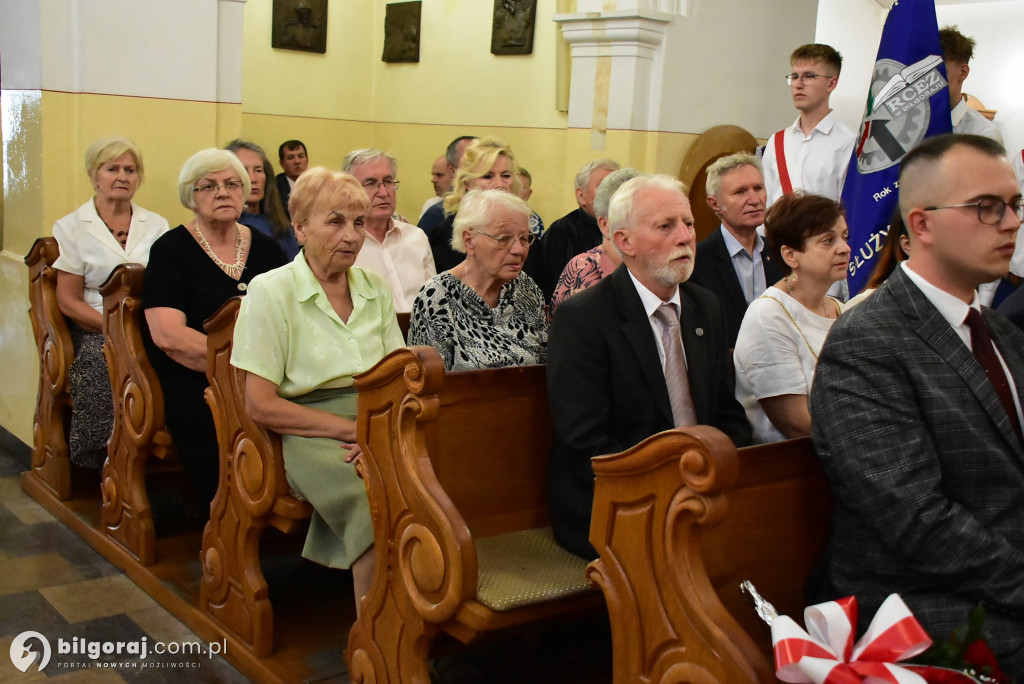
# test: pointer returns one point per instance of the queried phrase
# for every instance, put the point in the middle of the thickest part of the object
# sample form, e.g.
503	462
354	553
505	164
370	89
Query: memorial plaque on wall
512	29
300	25
402	32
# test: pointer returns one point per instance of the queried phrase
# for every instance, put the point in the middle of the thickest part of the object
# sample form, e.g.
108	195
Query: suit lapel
726	274
936	331
98	229
636	328
697	343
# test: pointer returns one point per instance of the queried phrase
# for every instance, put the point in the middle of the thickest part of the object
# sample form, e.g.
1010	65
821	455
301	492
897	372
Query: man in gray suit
916	416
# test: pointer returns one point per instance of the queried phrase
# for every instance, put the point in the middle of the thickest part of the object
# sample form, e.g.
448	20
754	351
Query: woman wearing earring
784	329
192	271
105	232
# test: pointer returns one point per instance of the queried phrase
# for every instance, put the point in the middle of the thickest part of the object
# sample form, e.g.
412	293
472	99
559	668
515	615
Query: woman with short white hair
192	271
485	312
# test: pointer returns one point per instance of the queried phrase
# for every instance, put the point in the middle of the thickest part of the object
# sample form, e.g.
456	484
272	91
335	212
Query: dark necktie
676	379
985	352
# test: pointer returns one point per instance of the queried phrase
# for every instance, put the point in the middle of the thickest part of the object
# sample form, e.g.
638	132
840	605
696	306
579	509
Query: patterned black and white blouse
450	317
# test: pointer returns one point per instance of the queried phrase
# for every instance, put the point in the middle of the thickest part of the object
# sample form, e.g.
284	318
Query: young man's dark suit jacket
713	270
927	473
607	389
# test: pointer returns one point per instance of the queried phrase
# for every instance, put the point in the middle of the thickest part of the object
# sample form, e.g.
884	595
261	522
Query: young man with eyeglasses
814	152
397	251
916	411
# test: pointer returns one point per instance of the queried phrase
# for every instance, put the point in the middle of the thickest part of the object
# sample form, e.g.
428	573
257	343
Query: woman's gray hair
365	156
620	209
205	162
109	149
724	165
475	212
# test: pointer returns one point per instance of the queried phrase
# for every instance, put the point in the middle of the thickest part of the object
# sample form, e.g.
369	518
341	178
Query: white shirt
404	260
89	249
429	203
748	268
967	119
776	355
817	163
954	310
651	303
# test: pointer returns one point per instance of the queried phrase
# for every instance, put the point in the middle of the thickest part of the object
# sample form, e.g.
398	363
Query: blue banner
907	102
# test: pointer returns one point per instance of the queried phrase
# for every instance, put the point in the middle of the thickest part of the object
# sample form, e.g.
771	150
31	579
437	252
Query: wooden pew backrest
51	462
679	521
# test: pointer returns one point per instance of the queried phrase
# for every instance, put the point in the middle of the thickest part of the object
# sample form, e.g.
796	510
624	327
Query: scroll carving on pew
679	521
253	492
455	467
139	430
51	462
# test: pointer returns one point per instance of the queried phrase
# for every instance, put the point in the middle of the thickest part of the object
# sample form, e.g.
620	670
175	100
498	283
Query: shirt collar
952	308
650	300
958	112
733	246
824	126
308	287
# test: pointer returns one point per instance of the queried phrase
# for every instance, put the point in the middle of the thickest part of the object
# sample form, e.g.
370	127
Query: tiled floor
53	583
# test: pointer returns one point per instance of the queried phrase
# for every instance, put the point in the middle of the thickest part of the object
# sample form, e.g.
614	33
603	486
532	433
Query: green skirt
341	529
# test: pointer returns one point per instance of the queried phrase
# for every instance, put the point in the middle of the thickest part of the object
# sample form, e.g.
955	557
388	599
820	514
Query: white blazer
89	249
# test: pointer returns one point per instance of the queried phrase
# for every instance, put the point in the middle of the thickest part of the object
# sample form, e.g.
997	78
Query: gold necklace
824	302
234	270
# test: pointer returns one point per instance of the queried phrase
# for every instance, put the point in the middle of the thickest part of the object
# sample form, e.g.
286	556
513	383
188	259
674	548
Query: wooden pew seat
679	521
456	472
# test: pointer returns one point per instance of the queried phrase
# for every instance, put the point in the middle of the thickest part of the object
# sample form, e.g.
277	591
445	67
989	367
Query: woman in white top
784	329
106	231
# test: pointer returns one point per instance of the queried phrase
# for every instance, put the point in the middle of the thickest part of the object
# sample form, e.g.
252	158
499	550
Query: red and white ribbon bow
826	654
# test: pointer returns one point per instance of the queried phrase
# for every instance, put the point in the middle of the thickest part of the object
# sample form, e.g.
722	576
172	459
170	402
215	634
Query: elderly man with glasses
397	251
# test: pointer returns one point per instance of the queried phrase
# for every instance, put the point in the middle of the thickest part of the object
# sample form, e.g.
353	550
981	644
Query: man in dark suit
613	348
916	417
732	261
294	160
574	233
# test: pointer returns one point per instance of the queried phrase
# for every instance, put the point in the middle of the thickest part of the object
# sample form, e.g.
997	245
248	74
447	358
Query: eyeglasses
990	209
505	241
208	188
387	183
805	78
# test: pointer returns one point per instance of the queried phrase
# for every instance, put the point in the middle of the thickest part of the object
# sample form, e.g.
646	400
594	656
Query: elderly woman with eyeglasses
192	271
485	312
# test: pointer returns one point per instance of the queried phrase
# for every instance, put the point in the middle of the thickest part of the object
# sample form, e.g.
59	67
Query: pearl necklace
234	270
824	302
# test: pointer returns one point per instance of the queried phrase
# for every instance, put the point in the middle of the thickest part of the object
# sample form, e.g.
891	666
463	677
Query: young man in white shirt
957	50
814	152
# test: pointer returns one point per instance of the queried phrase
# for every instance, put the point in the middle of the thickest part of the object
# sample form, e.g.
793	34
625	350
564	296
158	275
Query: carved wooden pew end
679	521
456	472
253	494
51	462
